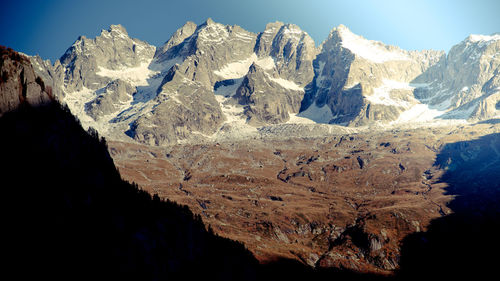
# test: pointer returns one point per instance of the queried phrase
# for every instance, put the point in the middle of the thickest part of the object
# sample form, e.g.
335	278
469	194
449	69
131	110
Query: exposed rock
268	102
116	93
88	61
170	49
292	50
182	107
466	81
52	75
19	84
362	81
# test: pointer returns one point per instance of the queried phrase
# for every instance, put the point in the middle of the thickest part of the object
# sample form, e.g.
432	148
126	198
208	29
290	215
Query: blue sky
49	27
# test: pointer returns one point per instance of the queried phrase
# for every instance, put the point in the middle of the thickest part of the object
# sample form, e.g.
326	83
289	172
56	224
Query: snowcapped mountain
213	80
358	81
466	82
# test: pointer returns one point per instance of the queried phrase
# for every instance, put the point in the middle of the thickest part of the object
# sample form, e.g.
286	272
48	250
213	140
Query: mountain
362	81
213	81
466	82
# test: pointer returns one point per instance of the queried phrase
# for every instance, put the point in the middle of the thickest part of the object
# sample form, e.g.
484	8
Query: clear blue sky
49	27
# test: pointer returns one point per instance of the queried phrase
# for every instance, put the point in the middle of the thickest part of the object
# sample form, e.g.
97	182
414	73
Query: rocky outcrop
267	99
173	47
111	97
51	74
466	81
19	85
182	107
292	50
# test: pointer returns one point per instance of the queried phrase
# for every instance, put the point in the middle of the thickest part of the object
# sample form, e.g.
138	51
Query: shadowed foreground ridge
71	215
465	243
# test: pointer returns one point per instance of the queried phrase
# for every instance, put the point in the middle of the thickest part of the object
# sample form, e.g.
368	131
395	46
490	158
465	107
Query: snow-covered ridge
484	38
368	49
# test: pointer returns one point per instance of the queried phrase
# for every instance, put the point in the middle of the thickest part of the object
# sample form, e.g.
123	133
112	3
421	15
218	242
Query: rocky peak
209	21
90	62
466	82
117	29
177	38
361	47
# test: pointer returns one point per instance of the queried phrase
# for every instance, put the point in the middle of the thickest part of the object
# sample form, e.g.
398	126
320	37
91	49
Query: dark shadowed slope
467	242
69	215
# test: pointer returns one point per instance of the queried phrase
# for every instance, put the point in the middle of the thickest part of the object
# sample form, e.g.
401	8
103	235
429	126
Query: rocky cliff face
19	85
466	81
361	81
91	63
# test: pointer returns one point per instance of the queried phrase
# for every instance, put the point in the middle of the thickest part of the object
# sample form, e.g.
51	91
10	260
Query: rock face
88	62
361	81
183	107
466	81
51	74
117	92
267	99
292	50
19	84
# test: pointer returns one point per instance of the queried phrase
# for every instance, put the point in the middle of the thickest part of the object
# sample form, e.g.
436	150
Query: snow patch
382	94
240	68
235	126
419	113
287	84
136	76
296	119
369	49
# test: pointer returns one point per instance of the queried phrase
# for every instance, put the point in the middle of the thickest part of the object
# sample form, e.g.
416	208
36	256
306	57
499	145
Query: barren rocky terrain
344	201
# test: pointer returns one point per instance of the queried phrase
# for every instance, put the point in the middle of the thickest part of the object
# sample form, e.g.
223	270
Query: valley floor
343	200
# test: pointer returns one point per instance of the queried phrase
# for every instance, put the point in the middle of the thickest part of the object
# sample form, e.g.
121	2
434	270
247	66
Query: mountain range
215	81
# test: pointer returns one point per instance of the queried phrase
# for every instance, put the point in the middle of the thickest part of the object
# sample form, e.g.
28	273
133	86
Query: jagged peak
371	50
209	21
290	28
342	31
117	28
483	38
179	35
273	26
187	25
